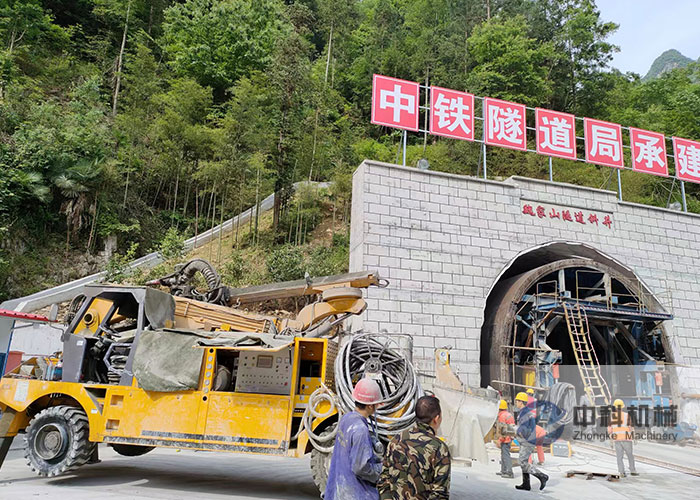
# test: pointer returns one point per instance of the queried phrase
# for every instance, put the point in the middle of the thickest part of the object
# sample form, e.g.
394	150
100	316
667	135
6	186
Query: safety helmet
367	392
503	405
530	391
619	402
521	397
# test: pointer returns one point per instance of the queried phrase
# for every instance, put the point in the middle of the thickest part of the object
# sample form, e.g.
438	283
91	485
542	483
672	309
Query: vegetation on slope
122	120
244	257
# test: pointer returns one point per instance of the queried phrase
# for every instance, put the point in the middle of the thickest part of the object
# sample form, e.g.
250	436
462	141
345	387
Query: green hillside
132	124
671	59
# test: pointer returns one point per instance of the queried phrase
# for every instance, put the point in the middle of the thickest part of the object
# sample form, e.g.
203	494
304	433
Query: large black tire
321	462
131	450
57	441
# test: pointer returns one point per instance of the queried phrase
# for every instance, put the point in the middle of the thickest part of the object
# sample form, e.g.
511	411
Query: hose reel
379	357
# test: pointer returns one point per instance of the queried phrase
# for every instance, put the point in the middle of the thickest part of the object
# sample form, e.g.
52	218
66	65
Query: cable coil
370	355
366	355
320	395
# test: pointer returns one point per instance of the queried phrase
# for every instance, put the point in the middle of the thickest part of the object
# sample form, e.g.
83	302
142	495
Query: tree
579	38
113	8
24	23
508	64
143	82
217	42
182	135
289	84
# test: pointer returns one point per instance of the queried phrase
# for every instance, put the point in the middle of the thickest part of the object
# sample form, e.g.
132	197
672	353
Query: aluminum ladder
594	386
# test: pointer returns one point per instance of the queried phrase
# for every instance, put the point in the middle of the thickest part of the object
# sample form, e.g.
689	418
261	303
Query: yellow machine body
201	419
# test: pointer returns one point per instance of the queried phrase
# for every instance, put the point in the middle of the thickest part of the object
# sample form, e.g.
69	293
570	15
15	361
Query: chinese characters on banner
505	124
395	103
687	155
603	143
453	113
568	215
648	152
556	133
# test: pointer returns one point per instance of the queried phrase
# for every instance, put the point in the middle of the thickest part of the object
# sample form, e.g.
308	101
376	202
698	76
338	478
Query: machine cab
98	343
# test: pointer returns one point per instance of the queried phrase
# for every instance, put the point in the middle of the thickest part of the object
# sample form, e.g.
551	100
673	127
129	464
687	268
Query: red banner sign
556	133
603	143
648	152
395	102
505	124
452	113
687	155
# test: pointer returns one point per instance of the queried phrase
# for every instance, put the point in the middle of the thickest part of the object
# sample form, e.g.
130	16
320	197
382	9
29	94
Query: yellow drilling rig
142	368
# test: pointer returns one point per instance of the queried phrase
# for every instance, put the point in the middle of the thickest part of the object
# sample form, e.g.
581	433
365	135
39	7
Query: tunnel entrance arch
574	273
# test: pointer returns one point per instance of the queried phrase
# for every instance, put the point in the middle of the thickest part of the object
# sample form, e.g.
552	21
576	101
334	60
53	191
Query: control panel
265	372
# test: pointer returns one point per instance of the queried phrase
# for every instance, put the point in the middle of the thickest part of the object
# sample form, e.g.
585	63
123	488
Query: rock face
667	61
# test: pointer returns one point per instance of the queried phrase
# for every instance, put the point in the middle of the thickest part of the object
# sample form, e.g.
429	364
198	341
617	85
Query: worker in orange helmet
505	419
621	432
355	467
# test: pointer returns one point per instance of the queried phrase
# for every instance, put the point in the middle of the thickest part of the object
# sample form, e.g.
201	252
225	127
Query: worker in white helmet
355	467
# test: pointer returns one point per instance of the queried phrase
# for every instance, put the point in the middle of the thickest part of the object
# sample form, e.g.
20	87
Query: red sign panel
505	124
395	102
451	113
687	155
648	152
603	143
556	133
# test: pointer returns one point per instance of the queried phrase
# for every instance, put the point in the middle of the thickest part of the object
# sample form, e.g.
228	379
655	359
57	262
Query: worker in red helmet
355	467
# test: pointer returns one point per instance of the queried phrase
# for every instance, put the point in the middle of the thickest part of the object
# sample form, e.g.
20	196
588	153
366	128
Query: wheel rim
50	442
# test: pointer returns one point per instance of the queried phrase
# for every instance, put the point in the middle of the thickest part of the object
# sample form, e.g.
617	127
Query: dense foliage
126	118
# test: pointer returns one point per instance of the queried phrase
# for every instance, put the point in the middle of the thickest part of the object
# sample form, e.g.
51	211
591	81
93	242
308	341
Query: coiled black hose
373	356
180	282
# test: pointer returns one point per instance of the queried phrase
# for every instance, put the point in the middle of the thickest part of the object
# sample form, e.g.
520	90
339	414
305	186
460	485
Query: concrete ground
168	474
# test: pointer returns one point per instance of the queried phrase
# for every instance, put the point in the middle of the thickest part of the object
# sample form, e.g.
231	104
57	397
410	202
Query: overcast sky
650	27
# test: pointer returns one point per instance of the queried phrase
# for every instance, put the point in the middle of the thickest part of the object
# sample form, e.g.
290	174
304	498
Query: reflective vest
621	432
505	417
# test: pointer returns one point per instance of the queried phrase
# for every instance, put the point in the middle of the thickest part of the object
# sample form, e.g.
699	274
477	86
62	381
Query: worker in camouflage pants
527	437
417	463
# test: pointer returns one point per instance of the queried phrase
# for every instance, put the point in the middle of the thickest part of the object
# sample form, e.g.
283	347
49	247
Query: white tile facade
442	240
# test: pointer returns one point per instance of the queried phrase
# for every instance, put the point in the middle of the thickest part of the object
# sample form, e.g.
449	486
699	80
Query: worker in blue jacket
355	467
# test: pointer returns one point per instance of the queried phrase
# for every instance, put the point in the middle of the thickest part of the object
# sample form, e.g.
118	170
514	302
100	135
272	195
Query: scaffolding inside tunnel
580	325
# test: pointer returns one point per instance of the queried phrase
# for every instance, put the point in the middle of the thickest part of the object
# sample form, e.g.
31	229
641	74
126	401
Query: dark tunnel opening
527	337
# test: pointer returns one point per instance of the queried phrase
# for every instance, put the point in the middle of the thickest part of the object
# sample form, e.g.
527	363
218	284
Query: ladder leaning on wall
594	386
